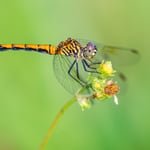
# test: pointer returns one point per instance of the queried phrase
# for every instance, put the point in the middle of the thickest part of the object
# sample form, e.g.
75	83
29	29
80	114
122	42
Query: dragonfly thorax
89	51
69	47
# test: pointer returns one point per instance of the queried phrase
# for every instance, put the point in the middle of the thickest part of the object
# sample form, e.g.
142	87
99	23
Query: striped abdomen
49	49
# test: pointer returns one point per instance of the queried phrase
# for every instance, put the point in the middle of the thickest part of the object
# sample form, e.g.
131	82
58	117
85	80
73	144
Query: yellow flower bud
98	84
105	68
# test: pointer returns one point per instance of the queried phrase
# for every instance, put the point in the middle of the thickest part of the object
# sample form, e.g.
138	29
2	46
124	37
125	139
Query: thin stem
55	122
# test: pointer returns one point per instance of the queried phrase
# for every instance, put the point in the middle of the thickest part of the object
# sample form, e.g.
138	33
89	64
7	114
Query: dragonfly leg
78	76
85	64
77	70
77	73
91	64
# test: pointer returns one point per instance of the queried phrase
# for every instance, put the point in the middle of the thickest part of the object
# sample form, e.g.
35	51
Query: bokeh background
30	96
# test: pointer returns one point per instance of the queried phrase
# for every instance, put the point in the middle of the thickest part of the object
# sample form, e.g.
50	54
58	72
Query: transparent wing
117	55
61	66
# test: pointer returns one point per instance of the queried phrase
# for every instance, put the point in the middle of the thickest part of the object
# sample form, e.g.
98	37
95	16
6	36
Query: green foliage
30	96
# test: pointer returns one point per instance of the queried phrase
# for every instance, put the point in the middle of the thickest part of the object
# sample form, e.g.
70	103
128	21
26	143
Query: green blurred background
30	96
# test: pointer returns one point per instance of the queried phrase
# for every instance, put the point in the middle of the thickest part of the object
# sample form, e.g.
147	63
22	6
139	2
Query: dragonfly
74	59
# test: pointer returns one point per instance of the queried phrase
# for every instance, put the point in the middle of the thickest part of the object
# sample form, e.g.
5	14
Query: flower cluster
100	86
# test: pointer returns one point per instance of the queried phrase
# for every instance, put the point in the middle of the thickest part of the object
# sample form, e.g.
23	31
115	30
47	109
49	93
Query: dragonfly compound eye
90	50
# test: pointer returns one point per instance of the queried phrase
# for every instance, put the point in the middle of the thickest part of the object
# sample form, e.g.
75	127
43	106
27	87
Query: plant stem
55	122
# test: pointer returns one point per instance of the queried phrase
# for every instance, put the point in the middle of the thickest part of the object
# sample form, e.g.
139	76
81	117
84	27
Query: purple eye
91	46
90	50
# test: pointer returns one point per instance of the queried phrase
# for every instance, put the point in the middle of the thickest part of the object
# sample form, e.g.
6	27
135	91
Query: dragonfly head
89	51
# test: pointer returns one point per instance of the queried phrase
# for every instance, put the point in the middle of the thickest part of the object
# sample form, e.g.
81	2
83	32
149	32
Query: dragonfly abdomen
49	49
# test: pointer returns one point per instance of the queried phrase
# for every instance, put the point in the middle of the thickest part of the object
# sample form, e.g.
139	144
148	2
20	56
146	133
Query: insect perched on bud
101	87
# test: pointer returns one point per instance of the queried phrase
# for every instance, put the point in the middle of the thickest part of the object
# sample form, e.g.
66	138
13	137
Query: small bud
100	96
98	84
111	88
84	102
105	68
